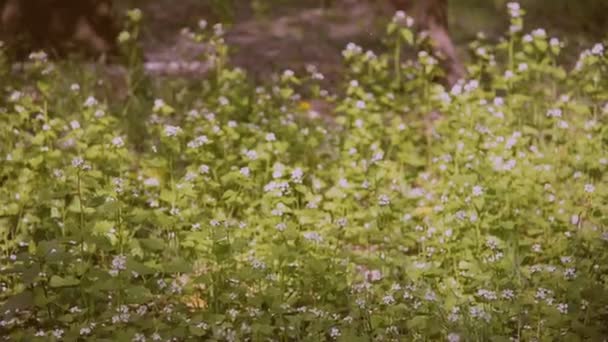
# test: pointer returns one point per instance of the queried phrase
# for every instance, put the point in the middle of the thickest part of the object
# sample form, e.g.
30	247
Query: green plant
243	217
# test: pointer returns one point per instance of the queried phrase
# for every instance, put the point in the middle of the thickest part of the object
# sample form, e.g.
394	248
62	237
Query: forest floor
292	36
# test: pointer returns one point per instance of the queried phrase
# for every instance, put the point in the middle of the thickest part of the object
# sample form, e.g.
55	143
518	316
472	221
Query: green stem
81	208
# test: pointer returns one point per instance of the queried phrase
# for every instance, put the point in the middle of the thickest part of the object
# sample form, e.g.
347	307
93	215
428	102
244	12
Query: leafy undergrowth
242	215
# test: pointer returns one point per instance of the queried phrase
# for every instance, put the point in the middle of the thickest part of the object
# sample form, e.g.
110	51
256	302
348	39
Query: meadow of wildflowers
234	212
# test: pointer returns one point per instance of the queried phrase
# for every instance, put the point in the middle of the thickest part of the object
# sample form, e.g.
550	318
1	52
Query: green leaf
178	265
30	275
57	281
154	244
20	301
407	36
138	294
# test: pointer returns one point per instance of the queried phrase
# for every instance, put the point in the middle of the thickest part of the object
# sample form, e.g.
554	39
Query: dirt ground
288	38
292	36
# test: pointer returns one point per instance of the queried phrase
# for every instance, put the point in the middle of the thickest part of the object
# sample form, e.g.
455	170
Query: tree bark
58	26
432	16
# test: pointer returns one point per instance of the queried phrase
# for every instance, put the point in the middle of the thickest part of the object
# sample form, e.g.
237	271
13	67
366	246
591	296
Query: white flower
522	67
515	28
223	101
342	222
570	273
152	182
139	338
281	226
507	294
539	33
74	124
388	300
75	87
378	156
487	294
90	102
245	171
251	154
202	24
554	113
39	56
589	188
477	190
218	29
296	175
288	73
198	141
479	312
399	15
562	308
119	262
384	200
203	169
334	332
77	162
598	49
118	142
360	104
351	49
172	131
158	105
373	275
313	236
514	9
57	333
277	170
453	337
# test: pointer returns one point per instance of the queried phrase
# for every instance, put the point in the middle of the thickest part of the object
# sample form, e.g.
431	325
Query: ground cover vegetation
236	212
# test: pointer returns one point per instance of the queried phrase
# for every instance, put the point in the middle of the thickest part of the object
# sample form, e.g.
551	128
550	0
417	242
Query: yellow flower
423	211
305	105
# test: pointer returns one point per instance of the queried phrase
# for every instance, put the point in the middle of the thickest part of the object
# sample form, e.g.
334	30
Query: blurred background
270	34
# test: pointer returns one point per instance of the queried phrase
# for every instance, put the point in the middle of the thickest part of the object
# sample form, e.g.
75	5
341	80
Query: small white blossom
270	137
118	142
313	236
203	169
172	131
198	141
251	154
384	200
152	182
453	337
477	190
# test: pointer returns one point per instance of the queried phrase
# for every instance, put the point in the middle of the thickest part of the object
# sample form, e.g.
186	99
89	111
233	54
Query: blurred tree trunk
58	26
432	16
